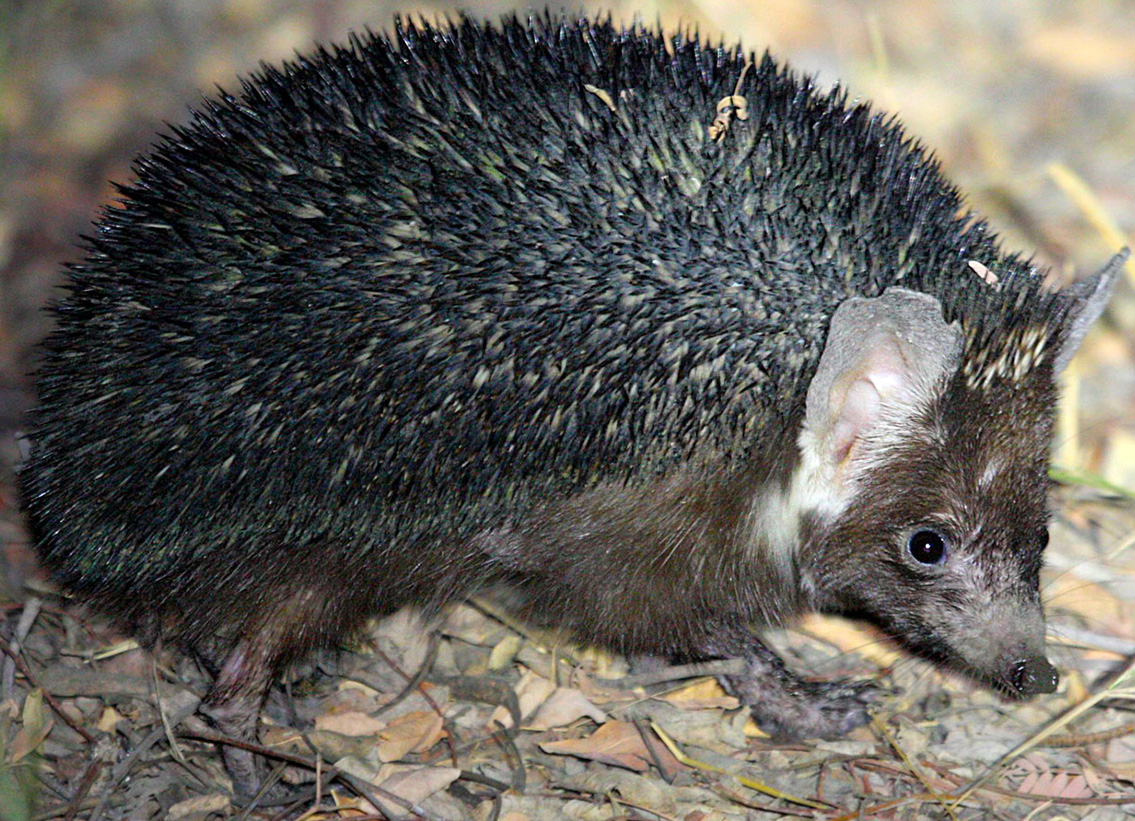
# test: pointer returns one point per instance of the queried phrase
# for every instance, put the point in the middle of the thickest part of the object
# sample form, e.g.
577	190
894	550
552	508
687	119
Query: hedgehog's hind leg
234	702
288	624
294	617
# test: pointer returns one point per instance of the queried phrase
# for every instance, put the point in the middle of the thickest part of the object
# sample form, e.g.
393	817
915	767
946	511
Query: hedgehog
659	337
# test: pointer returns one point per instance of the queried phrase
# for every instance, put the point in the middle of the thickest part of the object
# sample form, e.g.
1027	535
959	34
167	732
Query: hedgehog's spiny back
445	269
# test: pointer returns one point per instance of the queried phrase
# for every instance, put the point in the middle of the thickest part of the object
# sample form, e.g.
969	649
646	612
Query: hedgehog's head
924	459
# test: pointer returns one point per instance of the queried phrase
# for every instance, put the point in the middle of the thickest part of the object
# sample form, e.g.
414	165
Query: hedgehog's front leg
784	704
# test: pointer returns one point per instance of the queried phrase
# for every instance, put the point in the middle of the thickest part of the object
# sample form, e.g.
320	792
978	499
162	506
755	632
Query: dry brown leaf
1124	771
353	696
349	806
284	739
410	733
350	723
635	789
1028	784
334	746
601	662
1041	778
36	725
504	652
1097	782
1056	785
470	625
349	687
617	743
753	730
412	783
200	805
404	637
1120	757
706	694
108	719
1121	749
531	691
27	740
1078	787
563	707
1075	688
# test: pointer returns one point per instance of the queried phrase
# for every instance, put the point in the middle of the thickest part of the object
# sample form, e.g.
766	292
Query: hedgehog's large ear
1087	299
883	360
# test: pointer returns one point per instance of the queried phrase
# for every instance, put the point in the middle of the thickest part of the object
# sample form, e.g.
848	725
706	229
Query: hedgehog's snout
1001	641
1033	676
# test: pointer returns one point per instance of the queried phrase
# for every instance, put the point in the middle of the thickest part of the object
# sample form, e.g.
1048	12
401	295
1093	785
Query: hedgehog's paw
791	708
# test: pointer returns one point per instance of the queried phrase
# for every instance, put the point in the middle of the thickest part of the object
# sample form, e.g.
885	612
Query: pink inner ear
858	412
883	374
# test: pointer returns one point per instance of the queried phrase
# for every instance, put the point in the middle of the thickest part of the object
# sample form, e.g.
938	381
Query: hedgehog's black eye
1042	539
927	546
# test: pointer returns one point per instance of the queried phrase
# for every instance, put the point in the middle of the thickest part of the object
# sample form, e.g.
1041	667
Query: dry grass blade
748	782
942	799
1073	185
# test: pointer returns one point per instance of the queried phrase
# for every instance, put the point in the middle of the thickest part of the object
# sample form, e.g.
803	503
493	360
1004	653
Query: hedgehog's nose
1034	676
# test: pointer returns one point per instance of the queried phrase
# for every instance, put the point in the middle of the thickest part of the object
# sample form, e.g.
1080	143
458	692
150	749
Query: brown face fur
979	482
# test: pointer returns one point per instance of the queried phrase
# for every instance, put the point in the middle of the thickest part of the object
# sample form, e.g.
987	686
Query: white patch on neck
773	525
824	489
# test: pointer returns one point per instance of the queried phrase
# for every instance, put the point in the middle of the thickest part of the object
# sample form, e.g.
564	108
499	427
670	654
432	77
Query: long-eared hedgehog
656	334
